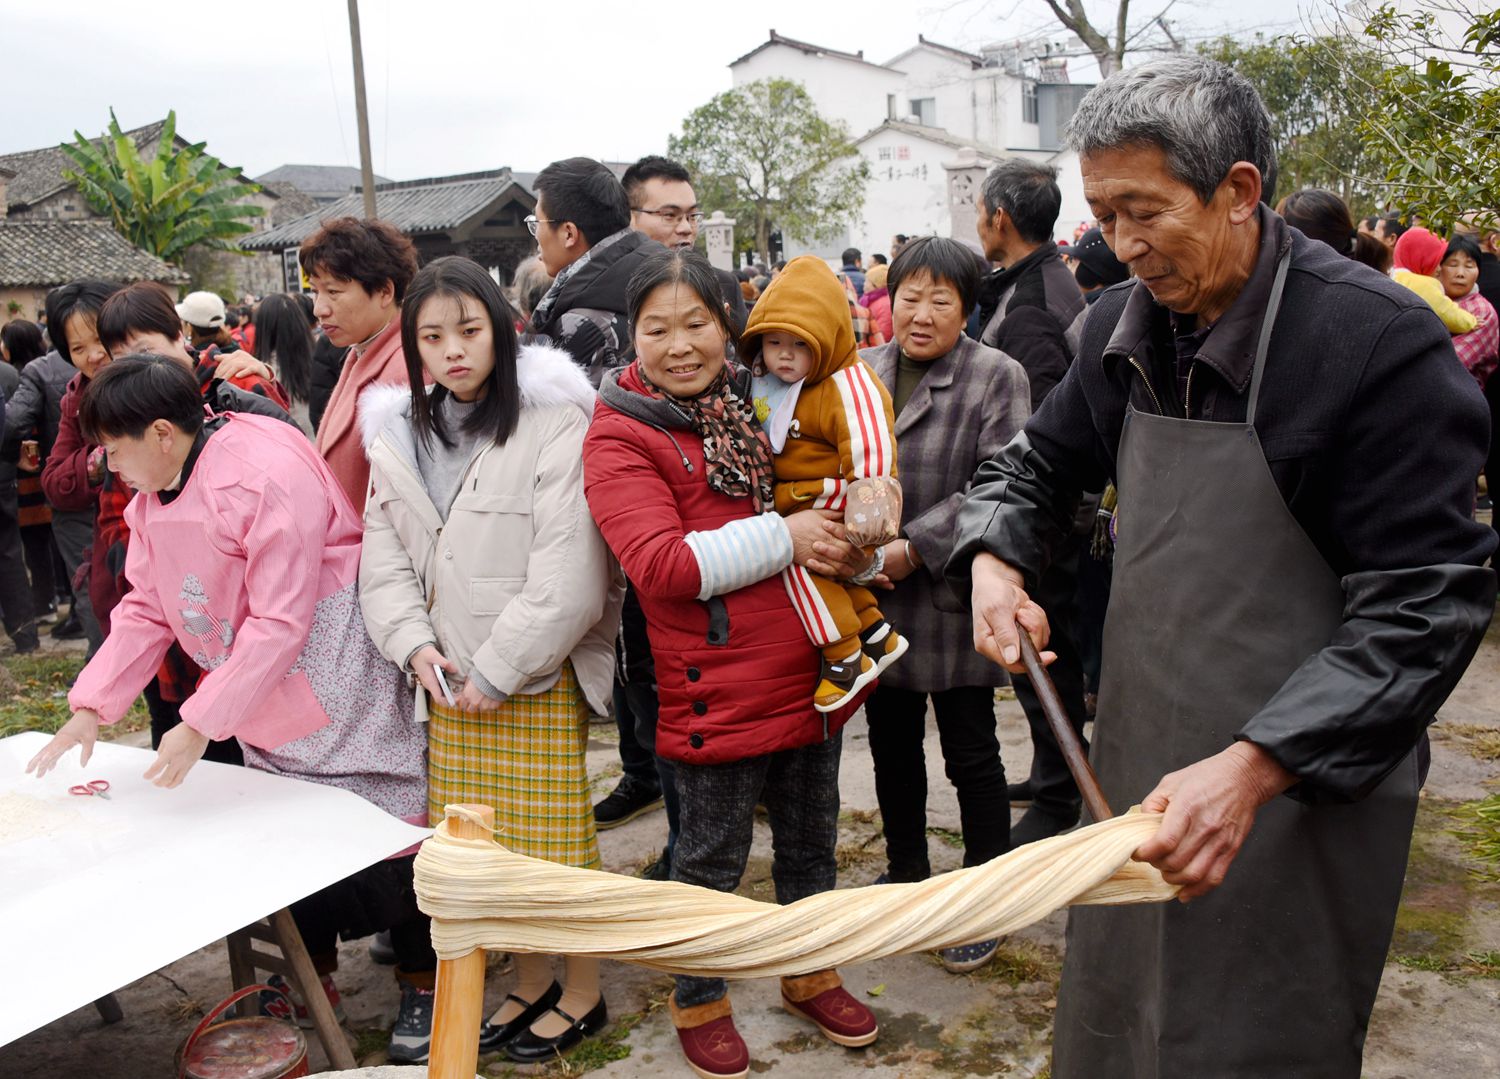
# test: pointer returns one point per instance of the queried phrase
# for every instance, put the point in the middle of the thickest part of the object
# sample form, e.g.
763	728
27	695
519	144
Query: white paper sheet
117	889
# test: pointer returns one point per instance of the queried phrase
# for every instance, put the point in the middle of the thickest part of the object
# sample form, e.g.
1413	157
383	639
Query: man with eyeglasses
664	207
584	239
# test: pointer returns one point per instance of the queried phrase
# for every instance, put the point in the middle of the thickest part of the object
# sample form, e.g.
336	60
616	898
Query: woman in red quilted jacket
678	477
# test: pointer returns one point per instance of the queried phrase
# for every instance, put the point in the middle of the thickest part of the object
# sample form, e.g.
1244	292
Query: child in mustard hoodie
830	422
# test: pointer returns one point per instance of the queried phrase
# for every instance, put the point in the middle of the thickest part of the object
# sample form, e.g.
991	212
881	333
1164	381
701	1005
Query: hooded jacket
517	579
734	672
841	428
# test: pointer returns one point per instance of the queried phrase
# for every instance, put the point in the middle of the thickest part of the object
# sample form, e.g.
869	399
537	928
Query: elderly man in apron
1297	589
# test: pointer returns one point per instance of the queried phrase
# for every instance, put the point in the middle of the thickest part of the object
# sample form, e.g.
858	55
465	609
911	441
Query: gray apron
1218	597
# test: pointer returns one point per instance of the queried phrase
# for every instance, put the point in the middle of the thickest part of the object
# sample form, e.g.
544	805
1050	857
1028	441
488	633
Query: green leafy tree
1432	126
1316	91
176	200
763	155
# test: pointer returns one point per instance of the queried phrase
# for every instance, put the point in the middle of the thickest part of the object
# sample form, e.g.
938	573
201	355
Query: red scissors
93	786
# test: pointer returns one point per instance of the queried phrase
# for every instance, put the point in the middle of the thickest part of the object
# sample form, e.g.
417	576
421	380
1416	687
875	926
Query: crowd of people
408	533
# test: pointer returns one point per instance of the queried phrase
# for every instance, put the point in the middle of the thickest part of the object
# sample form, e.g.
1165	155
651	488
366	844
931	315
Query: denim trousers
800	790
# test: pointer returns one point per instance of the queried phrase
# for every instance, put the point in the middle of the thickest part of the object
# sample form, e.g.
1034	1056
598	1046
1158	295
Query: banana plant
177	199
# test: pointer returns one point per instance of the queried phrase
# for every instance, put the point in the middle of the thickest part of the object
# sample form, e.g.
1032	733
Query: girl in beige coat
484	576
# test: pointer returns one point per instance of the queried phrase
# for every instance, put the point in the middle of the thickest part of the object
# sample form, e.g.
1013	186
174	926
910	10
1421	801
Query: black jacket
1373	432
1033	330
1489	278
327	365
37	402
585	315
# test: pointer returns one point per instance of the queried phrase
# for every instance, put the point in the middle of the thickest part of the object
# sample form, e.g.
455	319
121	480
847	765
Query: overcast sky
461	85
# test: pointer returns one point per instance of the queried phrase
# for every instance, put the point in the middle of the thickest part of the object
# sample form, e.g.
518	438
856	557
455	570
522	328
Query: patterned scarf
735	449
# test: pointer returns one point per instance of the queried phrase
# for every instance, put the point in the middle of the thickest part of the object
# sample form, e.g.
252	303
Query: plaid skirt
526	760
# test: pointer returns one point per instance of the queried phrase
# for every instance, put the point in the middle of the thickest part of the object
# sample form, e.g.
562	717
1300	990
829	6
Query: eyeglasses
674	216
533	222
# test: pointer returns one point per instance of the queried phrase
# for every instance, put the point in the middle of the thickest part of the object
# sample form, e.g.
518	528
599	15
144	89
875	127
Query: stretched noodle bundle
481	895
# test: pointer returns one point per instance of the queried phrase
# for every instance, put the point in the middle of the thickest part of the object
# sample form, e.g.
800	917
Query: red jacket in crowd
751	692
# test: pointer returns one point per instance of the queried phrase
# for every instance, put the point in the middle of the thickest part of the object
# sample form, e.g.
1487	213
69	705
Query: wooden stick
458	1009
306	979
1062	729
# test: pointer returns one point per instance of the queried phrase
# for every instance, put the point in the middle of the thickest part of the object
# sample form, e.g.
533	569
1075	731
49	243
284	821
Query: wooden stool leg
242	969
458	1009
306	979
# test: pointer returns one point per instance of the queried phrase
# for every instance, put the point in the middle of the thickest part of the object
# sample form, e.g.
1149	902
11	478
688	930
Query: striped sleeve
867	444
740	553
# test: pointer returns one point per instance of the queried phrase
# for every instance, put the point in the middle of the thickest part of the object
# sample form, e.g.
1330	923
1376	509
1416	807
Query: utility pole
362	116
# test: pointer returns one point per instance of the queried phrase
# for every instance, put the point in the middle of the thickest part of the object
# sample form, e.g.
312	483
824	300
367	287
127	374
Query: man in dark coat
584	238
1028	304
1026	309
1298	588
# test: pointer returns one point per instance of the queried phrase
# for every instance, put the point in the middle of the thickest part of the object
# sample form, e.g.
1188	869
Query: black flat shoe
493	1035
528	1048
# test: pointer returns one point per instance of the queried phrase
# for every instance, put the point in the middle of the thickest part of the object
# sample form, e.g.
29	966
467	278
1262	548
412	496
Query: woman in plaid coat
957	402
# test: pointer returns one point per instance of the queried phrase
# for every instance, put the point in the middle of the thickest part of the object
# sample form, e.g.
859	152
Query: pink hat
1420	251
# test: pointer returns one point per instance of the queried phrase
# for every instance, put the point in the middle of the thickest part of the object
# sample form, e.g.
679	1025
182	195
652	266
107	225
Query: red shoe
822	998
711	1044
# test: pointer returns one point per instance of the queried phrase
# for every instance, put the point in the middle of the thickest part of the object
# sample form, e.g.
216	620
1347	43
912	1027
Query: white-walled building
911	114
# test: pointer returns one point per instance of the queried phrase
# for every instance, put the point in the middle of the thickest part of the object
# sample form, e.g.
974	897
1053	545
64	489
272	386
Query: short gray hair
1028	192
1202	114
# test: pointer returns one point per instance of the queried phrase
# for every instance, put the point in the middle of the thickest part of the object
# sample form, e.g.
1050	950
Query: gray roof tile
413	206
41	254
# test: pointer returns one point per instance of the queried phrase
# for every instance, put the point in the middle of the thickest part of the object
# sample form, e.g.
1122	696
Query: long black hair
1321	215
678	267
283	337
467	283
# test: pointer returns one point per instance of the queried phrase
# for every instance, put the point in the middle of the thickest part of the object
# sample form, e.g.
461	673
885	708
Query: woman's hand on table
180	749
819	544
81	730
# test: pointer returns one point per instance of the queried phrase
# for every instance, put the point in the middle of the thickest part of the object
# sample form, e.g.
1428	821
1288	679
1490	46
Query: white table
182	867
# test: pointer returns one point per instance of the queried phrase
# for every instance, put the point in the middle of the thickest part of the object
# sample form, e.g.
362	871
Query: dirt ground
1436	1014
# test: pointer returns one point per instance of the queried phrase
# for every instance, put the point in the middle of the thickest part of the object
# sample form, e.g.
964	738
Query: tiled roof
317	179
809	49
39	172
40	254
436	204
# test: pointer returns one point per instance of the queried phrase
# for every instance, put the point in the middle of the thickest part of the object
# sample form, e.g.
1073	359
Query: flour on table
23	817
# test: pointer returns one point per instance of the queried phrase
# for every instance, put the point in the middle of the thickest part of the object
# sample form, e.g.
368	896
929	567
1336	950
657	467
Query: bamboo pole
458	1009
361	113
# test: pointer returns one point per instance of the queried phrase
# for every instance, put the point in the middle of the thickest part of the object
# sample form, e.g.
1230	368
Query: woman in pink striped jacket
245	551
